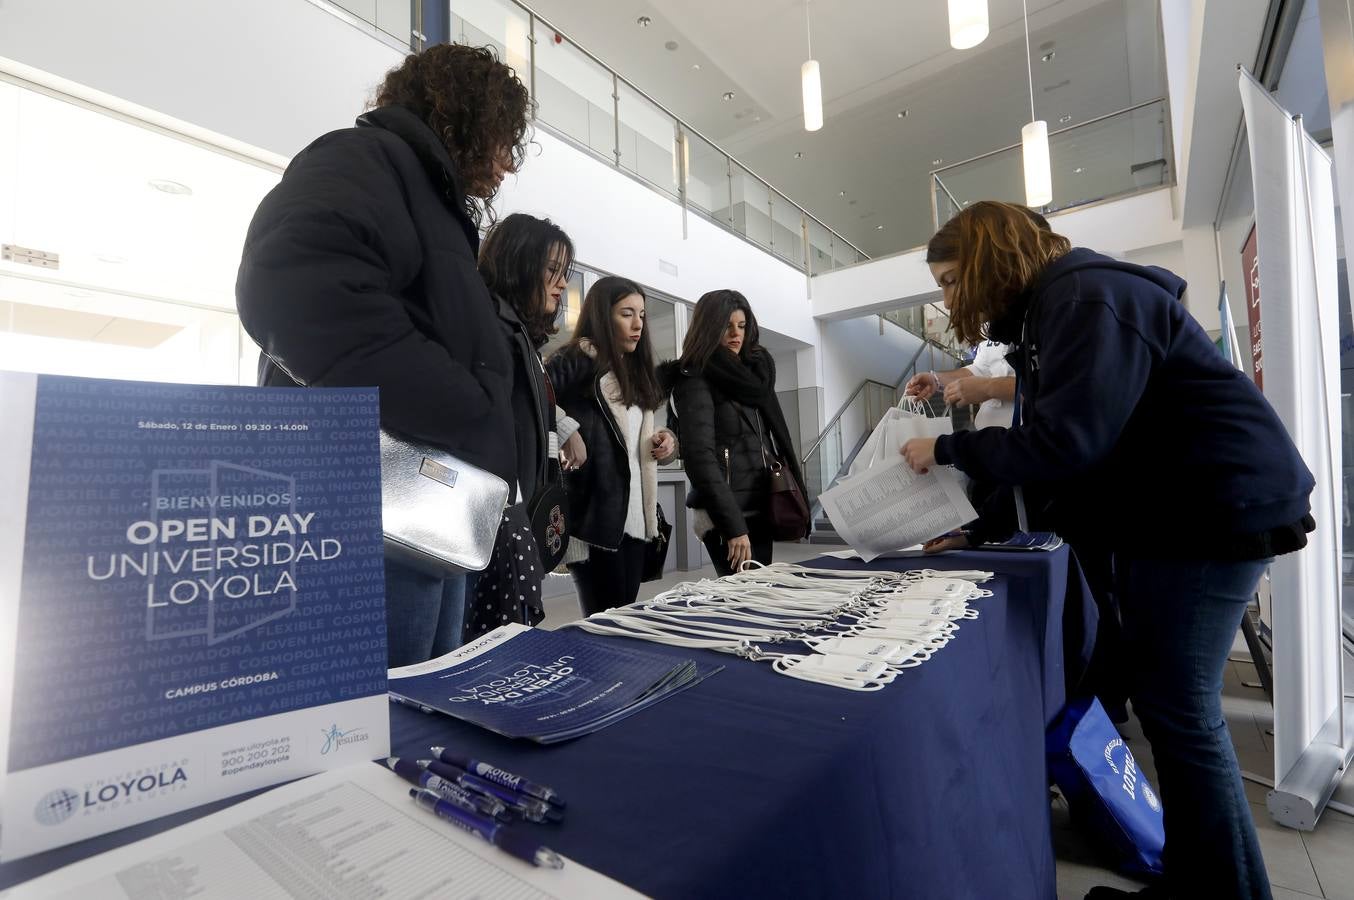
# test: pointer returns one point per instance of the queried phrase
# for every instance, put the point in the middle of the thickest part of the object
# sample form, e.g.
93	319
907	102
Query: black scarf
745	380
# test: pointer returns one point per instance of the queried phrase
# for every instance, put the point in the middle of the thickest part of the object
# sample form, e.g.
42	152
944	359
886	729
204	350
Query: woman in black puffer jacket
732	429
604	378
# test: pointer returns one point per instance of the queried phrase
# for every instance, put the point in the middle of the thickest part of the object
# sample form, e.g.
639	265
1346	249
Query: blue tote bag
1106	791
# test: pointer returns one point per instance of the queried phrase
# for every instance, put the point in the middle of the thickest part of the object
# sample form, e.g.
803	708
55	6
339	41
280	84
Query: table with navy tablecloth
753	784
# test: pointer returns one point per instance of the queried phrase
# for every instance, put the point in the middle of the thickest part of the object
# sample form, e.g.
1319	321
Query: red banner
1250	269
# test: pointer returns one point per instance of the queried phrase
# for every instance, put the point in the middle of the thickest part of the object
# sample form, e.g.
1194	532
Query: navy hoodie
1137	432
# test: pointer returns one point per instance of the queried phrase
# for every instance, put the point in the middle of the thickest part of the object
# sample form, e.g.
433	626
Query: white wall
272	73
854	350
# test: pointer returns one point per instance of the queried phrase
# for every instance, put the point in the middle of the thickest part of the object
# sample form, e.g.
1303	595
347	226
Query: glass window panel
787	234
820	247
394	17
751	206
707	179
574	94
648	141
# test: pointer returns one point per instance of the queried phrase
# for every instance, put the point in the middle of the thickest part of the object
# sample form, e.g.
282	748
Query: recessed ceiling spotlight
841	193
937	161
671	45
1078	170
1063	120
799	154
879	228
644	21
696	67
728	95
904	113
170	187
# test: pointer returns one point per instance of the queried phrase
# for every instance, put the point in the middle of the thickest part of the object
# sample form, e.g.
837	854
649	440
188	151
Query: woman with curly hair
359	269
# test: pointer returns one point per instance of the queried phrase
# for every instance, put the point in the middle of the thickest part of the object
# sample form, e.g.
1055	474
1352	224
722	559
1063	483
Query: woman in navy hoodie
1135	428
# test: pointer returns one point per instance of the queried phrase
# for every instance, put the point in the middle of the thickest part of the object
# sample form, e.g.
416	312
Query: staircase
830	456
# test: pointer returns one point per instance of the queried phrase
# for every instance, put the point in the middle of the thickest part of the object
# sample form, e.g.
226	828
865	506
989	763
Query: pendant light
1034	140
811	80
968	23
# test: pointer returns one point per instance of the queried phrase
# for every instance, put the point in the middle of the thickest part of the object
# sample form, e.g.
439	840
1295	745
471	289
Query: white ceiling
878	57
78	183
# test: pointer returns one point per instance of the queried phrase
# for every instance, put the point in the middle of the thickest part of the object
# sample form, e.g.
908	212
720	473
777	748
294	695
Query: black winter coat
722	445
599	491
533	411
359	269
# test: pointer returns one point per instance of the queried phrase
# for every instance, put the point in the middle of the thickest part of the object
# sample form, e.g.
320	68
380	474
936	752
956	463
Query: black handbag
549	515
656	550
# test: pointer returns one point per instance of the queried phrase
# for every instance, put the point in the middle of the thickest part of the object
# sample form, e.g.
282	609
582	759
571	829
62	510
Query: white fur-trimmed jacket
600	492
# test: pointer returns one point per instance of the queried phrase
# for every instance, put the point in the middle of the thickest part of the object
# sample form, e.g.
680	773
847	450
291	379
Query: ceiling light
1034	139
644	21
879	228
1063	120
968	23
1078	170
728	95
841	193
1048	57
903	113
937	161
170	187
799	154
811	81
696	66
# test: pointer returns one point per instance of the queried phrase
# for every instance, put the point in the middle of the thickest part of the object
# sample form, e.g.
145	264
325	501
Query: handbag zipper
727	476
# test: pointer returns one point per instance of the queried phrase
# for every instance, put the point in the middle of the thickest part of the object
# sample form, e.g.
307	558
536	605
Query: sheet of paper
907	553
349	833
889	507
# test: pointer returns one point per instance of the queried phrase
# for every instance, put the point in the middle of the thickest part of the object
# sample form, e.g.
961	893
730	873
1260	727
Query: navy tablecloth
752	784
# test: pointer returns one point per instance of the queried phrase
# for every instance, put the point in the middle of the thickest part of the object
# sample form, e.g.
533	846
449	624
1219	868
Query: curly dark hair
474	102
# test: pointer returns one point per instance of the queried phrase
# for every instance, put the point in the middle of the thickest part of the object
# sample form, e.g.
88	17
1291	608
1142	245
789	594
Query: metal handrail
1051	134
676	118
838	417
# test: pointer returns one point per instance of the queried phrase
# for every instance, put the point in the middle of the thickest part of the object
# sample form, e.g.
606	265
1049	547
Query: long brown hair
513	259
708	324
634	371
1000	249
474	103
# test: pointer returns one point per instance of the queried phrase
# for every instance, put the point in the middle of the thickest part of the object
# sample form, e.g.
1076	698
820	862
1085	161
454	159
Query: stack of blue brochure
1028	542
546	686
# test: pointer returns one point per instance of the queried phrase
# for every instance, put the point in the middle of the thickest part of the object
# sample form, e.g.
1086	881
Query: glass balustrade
1112	156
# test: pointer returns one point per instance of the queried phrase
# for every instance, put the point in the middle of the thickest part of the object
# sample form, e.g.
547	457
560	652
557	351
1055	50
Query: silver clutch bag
440	514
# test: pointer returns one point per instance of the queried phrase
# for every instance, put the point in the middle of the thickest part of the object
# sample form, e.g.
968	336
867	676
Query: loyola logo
57	806
333	738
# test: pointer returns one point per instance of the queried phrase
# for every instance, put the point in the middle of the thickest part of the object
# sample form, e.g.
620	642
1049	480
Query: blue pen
522	846
493	773
529	807
467	800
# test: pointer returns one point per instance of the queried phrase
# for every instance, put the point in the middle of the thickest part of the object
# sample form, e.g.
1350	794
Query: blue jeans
1180	618
424	614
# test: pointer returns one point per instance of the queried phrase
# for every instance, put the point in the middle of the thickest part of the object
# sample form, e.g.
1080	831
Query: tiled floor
1301	865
